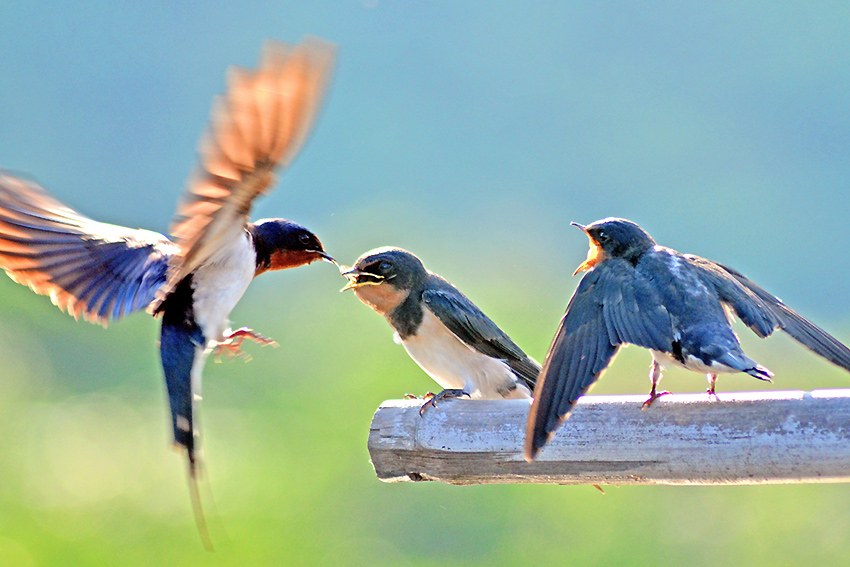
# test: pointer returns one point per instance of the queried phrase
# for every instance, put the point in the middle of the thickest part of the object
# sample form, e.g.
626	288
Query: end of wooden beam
744	438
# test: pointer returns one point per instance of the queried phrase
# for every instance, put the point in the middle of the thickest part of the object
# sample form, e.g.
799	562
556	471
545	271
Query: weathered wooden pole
744	438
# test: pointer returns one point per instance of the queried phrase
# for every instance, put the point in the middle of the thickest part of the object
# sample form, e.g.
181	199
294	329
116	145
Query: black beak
325	257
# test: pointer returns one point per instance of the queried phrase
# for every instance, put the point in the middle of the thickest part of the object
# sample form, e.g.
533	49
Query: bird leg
712	379
232	343
655	378
444	395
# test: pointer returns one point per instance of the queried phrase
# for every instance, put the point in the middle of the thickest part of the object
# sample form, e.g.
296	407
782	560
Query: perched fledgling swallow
101	271
677	305
442	331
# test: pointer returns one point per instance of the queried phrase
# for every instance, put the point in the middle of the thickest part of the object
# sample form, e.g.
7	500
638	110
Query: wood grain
745	438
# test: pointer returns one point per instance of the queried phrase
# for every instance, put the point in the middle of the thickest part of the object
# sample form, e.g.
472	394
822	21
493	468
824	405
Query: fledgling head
282	244
614	238
382	278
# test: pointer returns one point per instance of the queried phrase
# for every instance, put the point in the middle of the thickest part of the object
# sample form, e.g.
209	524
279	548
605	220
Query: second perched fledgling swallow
441	330
677	305
101	271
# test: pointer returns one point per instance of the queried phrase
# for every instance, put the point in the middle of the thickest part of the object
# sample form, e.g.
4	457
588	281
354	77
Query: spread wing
91	269
764	313
613	305
474	328
257	127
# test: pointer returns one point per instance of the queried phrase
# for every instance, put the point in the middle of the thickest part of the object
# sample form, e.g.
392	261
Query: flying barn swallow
101	271
442	331
678	306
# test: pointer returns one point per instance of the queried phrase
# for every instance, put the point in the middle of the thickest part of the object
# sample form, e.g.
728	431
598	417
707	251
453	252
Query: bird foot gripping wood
712	380
232	344
444	395
653	395
655	378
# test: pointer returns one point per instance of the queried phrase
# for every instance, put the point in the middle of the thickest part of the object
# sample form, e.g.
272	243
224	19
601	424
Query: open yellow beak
353	276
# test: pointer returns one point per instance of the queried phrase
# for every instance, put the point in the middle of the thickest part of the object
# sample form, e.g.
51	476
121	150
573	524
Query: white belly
691	363
453	364
219	284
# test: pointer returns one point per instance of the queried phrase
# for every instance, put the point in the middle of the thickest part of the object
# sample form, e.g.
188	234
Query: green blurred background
471	134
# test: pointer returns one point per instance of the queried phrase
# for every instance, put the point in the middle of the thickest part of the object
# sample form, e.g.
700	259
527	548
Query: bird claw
227	350
652	397
444	395
232	344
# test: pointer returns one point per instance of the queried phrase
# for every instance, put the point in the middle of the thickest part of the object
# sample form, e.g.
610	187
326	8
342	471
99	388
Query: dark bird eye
385	266
304	238
602	238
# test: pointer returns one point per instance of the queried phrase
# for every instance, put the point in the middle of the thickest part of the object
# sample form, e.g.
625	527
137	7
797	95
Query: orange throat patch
594	255
284	259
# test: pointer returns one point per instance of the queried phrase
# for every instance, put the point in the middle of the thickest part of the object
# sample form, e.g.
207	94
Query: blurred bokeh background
471	134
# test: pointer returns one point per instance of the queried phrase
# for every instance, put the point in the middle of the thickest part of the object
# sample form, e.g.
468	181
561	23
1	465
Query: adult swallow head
282	244
443	331
676	305
101	271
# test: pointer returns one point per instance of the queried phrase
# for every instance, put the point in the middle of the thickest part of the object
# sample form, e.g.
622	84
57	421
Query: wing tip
531	450
537	437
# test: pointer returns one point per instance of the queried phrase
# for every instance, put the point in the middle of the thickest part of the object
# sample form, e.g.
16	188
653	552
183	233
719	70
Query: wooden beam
745	438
